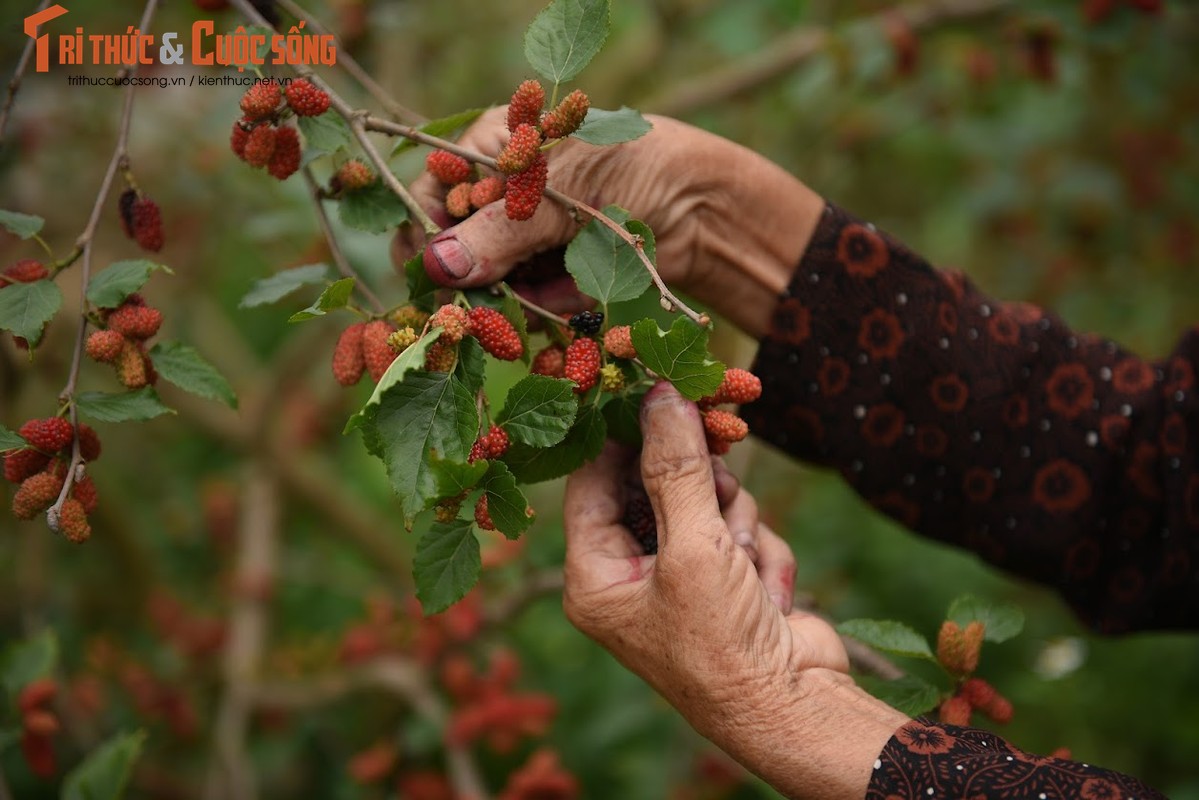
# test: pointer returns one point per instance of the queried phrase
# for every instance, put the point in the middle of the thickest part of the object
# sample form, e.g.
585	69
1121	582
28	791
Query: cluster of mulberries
958	650
41	470
363	347
724	427
122	341
141	220
975	694
487	708
259	139
39	723
490	445
465	193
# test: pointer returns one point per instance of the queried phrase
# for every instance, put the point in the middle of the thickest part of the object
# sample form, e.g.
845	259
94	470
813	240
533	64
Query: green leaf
539	410
613	127
104	774
279	285
135	406
455	477
326	133
623	416
888	636
25	308
442	128
679	355
471	366
23	225
909	694
27	660
426	414
375	209
183	366
446	565
505	502
422	291
10	440
605	266
412	358
1001	620
109	287
565	36
335	296
582	444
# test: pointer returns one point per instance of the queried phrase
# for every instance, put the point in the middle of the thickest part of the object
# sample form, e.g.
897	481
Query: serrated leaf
422	291
888	636
25	308
539	410
326	133
506	504
183	366
136	406
442	128
613	127
426	414
623	417
679	355
605	266
446	565
455	477
279	285
412	358
471	366
374	209
23	225
10	440
1002	621
27	660
335	296
104	773
565	36
908	694
582	444
109	287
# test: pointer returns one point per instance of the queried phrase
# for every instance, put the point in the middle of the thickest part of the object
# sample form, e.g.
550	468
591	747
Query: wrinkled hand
700	621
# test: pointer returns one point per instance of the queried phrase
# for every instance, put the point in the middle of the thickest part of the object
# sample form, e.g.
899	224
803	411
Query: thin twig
345	60
84	243
15	83
545	313
335	251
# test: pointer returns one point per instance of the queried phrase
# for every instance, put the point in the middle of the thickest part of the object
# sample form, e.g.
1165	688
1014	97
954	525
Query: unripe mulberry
89	442
146	221
306	99
84	490
36	494
525	106
457	201
348	361
639	518
955	711
104	346
285	160
21	464
353	175
582	364
486	191
522	149
454	322
375	350
725	426
523	192
239	136
567	116
131	366
447	510
978	692
410	317
441	356
739	387
27	270
134	321
36	694
550	361
260	146
587	322
261	100
72	522
482	516
449	168
401	340
48	435
972	642
619	342
495	333
611	378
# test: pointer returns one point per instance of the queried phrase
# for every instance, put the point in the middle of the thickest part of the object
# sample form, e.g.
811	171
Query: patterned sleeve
931	760
1055	455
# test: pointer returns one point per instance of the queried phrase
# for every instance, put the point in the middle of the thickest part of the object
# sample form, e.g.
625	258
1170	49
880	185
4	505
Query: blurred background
1048	148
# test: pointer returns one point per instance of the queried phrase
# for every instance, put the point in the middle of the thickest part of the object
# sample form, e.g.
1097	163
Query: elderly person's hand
705	626
730	226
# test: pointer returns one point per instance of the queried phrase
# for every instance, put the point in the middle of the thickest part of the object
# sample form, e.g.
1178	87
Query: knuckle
674	471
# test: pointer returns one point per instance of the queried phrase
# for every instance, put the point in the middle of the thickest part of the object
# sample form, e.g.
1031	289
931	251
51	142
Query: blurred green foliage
1080	193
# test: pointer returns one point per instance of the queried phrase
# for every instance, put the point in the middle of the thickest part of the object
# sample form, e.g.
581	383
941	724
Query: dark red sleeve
930	760
1055	455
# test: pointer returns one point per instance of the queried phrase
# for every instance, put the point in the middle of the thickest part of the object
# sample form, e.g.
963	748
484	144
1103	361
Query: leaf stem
544	313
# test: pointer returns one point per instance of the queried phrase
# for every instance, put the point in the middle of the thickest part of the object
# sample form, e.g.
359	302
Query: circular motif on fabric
862	251
833	376
1070	390
949	393
1132	376
978	484
883	425
925	739
881	334
792	323
1061	487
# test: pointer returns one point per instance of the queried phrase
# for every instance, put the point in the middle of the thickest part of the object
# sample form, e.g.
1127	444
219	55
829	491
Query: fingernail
453	256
